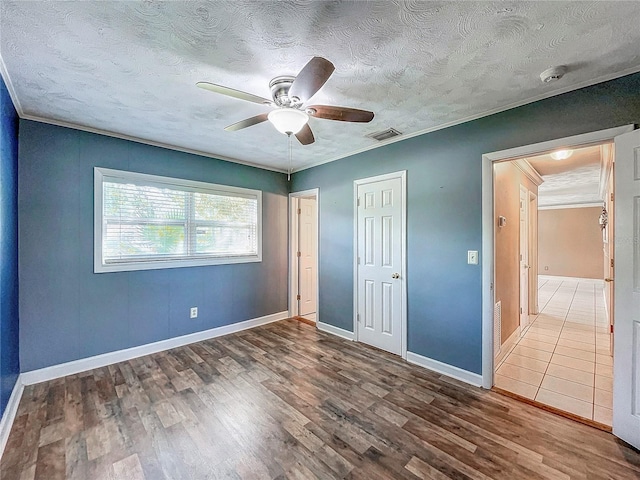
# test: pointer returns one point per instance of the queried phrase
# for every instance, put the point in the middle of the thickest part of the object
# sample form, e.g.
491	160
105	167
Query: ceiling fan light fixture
561	154
288	120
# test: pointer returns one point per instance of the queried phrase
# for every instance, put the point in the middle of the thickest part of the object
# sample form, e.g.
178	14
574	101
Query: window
146	222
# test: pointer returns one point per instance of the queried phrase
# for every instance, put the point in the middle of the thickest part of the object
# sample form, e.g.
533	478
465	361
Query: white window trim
99	266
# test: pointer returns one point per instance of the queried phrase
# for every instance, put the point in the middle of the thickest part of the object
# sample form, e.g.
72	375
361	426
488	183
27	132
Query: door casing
403	243
293	249
524	258
488	265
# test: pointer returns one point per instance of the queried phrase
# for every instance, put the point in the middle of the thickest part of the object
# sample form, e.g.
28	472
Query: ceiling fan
288	96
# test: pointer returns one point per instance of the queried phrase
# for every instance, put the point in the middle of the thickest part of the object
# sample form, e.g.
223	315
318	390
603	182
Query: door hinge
358	260
358	318
611	329
297	297
520	310
612	263
612	197
299	211
299	254
358	201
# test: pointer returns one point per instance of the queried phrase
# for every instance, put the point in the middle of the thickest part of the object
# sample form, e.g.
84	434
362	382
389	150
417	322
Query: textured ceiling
573	181
130	68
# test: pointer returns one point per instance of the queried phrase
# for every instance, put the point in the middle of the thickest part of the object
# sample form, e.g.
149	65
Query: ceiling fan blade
342	114
230	92
311	78
247	122
305	136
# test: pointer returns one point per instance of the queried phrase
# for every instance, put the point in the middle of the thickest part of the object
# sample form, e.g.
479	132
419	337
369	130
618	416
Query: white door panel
307	260
380	273
626	363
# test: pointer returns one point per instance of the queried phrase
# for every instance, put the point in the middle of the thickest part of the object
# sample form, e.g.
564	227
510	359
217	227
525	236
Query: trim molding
122	136
84	364
606	166
325	327
506	347
531	173
570	205
10	413
445	369
570	88
599	281
12	91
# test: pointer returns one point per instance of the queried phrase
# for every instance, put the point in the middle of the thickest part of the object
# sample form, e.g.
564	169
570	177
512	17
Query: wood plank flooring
287	401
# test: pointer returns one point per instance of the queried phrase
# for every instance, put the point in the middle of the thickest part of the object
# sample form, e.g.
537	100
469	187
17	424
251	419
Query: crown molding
587	83
527	169
75	126
12	91
570	205
537	98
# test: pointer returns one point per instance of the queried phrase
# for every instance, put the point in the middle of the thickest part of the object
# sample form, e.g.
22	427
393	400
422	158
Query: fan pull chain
290	158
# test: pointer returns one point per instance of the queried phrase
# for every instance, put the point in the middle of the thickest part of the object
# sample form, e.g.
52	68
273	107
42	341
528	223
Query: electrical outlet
193	313
472	257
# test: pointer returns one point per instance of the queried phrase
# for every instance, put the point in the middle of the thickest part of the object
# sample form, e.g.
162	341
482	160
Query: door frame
488	265
293	249
402	175
524	309
533	254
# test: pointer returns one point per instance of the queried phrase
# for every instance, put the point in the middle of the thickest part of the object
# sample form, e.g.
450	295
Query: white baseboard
325	327
446	369
599	281
508	344
84	364
10	413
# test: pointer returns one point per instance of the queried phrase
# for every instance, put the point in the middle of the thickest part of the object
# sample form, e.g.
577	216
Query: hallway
564	359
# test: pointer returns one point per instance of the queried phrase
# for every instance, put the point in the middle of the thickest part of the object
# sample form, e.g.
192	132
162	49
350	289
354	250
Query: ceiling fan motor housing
280	91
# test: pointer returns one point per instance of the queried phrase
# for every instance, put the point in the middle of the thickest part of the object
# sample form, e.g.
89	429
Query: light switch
472	257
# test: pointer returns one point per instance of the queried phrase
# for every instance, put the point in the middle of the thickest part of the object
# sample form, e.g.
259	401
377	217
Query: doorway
568	296
303	274
380	317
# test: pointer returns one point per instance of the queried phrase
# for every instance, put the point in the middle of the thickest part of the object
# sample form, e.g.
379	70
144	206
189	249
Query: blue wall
66	311
444	188
9	358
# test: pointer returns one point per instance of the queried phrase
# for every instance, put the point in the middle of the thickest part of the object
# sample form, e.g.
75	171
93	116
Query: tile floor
564	359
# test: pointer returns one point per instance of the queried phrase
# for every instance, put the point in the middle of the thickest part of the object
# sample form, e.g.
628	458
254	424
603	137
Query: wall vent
497	328
385	134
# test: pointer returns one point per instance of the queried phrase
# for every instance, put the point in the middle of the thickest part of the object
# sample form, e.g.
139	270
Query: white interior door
524	258
307	259
379	256
626	362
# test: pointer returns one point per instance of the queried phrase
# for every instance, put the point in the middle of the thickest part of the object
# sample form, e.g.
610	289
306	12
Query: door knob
608	279
395	275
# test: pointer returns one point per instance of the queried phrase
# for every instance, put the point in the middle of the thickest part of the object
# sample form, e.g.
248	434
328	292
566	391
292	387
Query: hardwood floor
287	401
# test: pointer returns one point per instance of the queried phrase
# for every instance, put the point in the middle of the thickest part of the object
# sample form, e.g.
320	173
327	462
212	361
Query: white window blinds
158	222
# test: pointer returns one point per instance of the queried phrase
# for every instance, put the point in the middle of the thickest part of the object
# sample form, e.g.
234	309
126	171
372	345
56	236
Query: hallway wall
570	242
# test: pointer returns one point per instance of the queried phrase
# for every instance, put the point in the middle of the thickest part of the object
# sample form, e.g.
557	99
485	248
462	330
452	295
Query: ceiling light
288	120
561	154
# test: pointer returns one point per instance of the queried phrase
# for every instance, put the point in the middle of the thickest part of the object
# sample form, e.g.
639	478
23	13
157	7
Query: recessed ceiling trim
121	136
537	98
